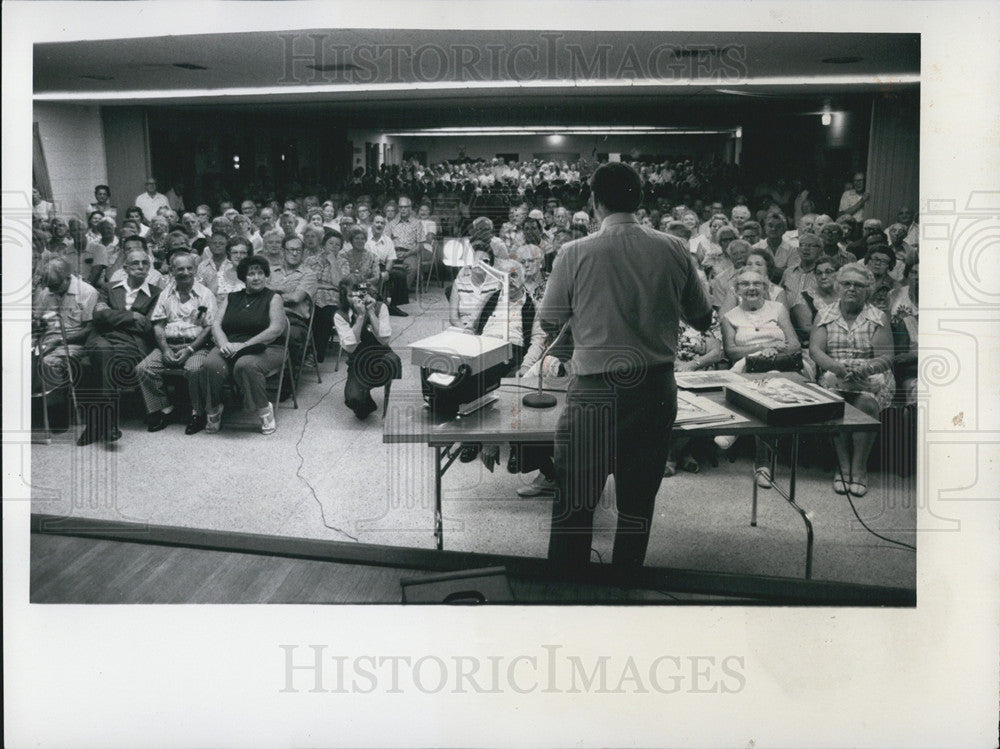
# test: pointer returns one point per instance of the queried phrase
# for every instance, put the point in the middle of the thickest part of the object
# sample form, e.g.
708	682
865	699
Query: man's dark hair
617	187
103	187
136	238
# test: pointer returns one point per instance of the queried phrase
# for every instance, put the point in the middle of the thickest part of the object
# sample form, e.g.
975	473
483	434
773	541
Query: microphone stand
541	399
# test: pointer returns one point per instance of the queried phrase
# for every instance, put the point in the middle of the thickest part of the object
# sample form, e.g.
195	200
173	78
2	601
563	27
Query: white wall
73	142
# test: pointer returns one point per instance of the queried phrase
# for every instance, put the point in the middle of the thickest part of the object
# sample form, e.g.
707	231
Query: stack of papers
693	409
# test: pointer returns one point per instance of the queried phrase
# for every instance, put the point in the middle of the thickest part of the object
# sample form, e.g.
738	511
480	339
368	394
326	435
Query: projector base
539	400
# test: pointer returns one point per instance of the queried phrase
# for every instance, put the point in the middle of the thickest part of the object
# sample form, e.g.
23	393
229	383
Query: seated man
393	281
63	311
182	322
120	339
296	284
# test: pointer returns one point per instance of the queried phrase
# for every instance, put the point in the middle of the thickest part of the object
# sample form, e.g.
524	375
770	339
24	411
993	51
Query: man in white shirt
854	198
393	289
151	200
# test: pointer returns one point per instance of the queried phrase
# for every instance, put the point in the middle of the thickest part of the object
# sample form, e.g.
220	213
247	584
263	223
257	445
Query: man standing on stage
623	291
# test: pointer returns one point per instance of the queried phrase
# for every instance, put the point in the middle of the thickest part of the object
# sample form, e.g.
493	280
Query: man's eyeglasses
137	264
830	272
853	285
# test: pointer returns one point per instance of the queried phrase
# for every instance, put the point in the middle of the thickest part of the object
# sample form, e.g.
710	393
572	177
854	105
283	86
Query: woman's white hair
858	269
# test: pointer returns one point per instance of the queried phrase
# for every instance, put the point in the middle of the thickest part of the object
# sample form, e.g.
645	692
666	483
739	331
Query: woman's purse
782	362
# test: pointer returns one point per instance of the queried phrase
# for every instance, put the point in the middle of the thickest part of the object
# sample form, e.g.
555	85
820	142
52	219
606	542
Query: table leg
788	496
438	521
753	506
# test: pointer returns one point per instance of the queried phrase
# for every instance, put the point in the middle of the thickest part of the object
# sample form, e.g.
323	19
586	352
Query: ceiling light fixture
189	66
846	60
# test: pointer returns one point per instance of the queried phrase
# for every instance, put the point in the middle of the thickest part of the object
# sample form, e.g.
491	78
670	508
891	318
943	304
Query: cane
69	371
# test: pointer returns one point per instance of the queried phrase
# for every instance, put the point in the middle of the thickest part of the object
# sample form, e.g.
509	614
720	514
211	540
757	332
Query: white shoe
213	421
267	423
764	478
725	441
537	488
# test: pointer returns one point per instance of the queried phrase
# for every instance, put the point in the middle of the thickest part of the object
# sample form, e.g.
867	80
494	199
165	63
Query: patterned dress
852	343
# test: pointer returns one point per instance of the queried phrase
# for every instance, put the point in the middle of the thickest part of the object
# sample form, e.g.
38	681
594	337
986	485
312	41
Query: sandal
670	469
213	421
858	488
840	486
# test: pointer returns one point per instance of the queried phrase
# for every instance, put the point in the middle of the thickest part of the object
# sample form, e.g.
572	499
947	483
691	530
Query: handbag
782	362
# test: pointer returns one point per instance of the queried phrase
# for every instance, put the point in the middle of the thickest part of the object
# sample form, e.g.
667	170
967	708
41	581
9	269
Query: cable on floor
854	509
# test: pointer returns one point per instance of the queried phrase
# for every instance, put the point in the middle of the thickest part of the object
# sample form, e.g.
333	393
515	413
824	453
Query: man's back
625	288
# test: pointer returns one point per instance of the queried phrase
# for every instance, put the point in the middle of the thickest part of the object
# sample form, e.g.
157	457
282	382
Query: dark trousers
369	367
322	328
113	362
612	423
394	287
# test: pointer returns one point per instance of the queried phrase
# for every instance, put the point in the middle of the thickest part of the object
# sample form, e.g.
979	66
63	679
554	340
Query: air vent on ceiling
98	77
847	60
340	67
189	66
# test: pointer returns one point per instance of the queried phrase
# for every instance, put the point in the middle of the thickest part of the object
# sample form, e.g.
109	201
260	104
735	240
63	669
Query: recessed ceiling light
847	60
189	66
99	77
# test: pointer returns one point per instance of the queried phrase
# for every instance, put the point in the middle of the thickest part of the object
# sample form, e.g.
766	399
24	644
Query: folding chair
286	363
310	344
428	265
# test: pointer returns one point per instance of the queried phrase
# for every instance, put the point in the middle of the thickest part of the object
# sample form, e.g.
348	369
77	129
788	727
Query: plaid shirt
844	342
408	234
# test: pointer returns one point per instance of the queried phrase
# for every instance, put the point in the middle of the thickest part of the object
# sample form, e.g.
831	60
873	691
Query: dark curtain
39	171
894	155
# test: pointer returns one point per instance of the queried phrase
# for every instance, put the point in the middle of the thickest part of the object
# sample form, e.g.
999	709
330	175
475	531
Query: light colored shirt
406	235
624	289
185	320
130	293
150	204
75	307
345	331
286	281
382	248
208	275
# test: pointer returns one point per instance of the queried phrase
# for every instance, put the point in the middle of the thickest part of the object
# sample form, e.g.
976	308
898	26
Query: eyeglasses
751	283
853	285
830	272
138	264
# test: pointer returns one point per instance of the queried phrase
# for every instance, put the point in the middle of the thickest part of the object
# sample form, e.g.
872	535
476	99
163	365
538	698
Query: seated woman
762	261
880	260
248	330
696	351
736	254
356	261
852	344
761	331
825	294
326	266
757	327
362	324
237	249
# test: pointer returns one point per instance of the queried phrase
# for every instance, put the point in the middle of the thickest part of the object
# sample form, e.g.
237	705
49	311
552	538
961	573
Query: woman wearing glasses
758	330
852	343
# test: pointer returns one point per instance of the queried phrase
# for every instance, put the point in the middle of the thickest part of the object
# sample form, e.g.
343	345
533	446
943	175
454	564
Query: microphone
540	399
